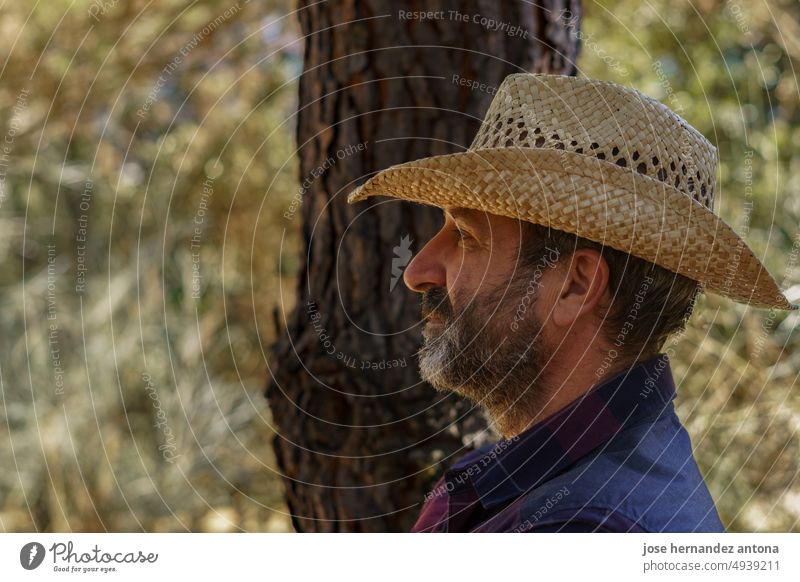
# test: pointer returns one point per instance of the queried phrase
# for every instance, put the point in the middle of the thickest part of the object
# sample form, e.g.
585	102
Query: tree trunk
360	439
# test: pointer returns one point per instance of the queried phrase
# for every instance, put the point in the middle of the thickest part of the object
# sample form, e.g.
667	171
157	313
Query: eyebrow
462	214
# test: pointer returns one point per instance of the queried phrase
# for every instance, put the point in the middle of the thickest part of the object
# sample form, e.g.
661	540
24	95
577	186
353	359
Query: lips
435	307
434	320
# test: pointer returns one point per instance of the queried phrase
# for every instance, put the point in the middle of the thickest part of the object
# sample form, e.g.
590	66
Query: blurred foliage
115	115
119	120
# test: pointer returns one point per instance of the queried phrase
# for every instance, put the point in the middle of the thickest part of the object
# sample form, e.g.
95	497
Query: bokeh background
146	161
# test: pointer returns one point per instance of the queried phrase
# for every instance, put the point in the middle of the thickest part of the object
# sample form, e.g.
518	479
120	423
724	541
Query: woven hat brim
594	199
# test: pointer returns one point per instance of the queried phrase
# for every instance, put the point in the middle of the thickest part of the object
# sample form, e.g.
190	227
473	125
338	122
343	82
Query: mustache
434	301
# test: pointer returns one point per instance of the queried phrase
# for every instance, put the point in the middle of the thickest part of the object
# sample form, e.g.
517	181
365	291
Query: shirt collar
517	465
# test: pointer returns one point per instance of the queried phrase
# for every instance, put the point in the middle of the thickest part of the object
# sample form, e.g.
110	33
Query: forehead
482	218
468	214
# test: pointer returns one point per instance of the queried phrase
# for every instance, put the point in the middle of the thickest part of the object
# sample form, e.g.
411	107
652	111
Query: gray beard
479	356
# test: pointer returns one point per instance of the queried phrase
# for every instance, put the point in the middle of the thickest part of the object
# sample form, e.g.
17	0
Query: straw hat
601	161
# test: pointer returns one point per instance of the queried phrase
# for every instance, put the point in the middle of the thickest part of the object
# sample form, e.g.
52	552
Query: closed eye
462	235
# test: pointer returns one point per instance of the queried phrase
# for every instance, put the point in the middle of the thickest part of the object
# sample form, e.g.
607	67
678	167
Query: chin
432	363
436	368
435	364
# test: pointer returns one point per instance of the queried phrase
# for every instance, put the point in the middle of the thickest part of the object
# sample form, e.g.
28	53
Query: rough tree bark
359	448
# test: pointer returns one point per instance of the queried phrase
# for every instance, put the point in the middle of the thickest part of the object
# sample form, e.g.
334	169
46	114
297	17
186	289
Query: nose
426	270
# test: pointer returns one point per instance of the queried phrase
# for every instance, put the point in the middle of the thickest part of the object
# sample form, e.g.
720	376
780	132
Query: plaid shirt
615	459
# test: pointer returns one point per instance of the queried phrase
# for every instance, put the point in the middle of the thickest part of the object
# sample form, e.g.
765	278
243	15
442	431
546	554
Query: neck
556	386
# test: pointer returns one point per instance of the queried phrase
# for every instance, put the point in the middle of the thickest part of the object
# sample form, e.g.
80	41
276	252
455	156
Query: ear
584	287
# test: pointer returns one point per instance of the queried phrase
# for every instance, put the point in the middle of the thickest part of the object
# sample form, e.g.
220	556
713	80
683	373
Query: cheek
534	288
468	275
549	290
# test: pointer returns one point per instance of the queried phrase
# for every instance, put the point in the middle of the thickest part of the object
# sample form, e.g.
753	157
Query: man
579	228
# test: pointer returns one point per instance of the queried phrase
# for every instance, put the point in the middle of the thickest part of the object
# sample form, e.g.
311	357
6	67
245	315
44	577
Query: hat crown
602	120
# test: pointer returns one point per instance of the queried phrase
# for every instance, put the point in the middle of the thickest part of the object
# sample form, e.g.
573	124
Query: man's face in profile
483	337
